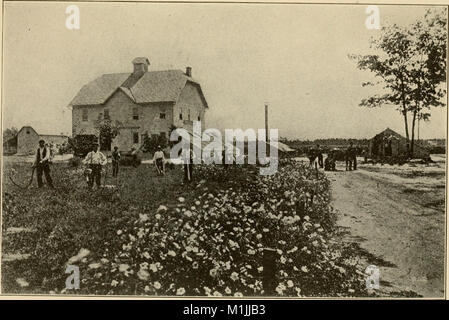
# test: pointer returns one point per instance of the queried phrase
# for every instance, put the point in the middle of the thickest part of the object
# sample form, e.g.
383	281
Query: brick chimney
189	71
140	66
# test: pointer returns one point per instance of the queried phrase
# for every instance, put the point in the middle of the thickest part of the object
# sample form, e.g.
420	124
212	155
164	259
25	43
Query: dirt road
399	224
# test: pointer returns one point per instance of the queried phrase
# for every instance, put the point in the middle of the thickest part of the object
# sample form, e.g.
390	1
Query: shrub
213	244
75	161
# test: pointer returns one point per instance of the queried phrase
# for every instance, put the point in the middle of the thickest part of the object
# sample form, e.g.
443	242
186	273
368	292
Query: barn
389	143
28	140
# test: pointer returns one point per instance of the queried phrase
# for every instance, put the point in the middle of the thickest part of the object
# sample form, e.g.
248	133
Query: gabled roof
153	86
389	133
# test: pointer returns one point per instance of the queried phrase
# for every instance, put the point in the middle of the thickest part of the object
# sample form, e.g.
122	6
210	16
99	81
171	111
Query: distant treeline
435	146
331	142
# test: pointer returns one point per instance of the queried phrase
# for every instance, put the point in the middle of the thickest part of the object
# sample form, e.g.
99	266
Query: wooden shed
389	143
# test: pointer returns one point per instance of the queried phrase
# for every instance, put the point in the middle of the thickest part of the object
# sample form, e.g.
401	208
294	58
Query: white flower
146	255
289	283
213	273
143	275
304	269
114	283
94	265
119	232
234	276
227	290
157	285
157	216
197	203
147	288
238	294
153	267
307	218
217	294
143	217
280	288
161	209
171	253
123	267
260	269
181	199
180	291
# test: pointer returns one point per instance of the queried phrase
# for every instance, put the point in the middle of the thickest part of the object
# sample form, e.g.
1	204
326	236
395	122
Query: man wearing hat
95	160
42	165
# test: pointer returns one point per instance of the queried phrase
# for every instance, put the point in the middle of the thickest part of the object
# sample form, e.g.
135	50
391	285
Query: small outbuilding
389	143
28	140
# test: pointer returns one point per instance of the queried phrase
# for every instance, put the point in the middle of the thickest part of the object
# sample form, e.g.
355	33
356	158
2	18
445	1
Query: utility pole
266	131
266	122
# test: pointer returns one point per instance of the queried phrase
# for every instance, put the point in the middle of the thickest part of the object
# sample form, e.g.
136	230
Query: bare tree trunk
404	113
413	133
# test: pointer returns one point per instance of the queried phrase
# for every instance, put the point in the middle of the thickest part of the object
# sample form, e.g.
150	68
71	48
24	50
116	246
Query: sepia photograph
223	150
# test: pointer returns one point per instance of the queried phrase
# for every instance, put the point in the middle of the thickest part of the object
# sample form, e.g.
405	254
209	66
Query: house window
85	113
199	118
162	115
106	114
135	137
188	116
180	116
163	134
135	113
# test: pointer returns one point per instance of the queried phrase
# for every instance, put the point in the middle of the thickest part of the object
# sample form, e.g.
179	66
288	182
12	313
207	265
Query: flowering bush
212	244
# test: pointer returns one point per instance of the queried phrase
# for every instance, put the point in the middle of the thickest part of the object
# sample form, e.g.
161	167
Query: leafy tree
151	143
410	68
107	131
9	133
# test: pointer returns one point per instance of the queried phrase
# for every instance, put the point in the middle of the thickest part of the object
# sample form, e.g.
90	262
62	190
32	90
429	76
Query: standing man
319	154
115	161
41	163
95	159
187	157
159	161
349	157
354	157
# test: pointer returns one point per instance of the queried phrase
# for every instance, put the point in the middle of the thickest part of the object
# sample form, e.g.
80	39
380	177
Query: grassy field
73	214
131	227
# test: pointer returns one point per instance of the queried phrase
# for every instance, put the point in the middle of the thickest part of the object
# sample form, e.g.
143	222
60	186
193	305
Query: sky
293	57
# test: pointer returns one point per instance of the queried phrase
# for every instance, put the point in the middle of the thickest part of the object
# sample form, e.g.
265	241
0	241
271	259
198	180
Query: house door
388	149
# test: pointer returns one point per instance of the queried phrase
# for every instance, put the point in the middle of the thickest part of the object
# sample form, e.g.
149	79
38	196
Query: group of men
315	156
95	160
